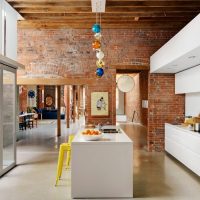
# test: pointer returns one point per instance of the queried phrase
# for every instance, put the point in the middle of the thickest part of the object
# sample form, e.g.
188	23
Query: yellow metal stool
71	137
64	147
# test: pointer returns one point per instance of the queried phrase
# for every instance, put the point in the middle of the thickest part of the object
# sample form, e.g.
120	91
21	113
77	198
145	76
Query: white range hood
180	52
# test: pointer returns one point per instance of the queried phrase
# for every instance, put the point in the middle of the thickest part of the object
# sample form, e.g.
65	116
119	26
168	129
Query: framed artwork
99	104
49	100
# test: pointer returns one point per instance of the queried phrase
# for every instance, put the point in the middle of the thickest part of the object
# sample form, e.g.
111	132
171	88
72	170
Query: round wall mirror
125	83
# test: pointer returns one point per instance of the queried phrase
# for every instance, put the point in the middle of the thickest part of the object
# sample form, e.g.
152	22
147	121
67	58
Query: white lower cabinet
184	145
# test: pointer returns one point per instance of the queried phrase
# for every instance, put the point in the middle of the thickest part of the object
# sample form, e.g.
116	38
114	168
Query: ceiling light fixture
98	6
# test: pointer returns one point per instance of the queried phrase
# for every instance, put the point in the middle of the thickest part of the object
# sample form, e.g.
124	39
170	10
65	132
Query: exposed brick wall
23	99
68	52
40	98
144	95
164	106
103	85
133	99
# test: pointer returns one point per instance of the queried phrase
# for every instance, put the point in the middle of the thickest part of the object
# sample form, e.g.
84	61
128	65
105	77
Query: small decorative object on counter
91	134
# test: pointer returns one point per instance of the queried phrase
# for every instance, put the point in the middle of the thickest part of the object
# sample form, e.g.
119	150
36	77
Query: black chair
22	123
29	121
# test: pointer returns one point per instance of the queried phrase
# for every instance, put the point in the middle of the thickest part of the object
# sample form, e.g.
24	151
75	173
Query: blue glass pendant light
99	72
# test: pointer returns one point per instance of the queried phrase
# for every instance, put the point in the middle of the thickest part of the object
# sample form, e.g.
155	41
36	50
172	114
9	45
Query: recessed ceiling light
191	57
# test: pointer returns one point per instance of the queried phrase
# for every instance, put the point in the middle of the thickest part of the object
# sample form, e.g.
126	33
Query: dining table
24	120
26	114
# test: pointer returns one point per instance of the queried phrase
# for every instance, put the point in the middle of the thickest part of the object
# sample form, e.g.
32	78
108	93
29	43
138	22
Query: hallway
156	175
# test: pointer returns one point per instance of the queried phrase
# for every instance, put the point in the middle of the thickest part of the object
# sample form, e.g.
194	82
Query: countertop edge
184	129
12	63
126	141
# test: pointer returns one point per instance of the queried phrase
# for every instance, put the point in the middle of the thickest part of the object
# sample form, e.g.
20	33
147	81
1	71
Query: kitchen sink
110	129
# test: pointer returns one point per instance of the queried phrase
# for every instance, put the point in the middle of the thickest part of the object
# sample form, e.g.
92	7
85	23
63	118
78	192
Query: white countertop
26	114
106	139
185	129
102	169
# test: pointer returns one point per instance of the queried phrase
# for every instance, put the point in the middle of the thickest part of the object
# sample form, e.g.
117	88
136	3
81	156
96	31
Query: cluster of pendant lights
96	28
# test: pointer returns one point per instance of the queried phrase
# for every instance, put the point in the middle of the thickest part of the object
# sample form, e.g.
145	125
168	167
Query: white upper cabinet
11	33
8	30
180	52
188	81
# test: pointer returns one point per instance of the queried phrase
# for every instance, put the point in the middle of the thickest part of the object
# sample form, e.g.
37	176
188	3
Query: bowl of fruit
91	134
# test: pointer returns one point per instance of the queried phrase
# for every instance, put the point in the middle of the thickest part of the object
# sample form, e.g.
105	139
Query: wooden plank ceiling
119	13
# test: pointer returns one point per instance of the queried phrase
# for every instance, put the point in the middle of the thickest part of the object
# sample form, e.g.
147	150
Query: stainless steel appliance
197	127
110	129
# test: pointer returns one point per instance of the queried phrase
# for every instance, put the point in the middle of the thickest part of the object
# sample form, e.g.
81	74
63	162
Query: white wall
120	102
192	104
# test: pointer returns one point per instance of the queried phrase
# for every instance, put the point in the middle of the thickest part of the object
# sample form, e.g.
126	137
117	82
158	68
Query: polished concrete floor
156	175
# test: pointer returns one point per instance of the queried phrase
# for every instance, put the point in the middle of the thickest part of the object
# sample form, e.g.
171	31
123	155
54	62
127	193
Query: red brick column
164	106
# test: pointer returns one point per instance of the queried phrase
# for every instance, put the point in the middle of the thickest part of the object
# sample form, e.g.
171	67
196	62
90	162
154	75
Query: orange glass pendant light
96	44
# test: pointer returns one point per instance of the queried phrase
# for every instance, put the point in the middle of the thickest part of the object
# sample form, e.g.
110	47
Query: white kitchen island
104	168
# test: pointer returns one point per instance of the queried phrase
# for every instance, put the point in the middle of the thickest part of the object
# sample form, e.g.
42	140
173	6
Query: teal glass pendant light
96	28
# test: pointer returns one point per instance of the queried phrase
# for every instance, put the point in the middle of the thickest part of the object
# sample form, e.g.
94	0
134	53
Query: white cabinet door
188	81
183	146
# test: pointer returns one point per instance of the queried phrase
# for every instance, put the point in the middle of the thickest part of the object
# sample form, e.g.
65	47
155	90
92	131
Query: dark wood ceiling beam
106	15
110	19
78	3
135	2
85	25
50	4
57	9
119	13
129	68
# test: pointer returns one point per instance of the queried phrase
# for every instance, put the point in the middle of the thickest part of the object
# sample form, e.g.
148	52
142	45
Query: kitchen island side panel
102	170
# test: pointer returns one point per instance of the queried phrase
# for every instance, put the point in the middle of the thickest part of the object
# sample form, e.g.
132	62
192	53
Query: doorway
63	104
132	106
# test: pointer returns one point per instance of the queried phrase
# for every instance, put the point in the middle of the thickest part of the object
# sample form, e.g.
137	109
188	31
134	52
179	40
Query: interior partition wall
7	118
